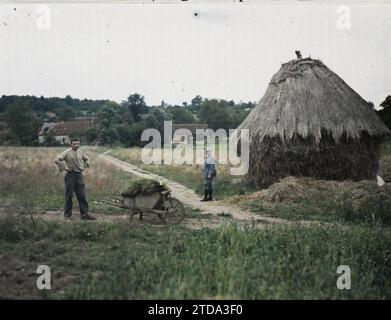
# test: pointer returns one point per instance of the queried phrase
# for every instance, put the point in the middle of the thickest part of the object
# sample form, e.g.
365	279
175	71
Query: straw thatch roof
303	98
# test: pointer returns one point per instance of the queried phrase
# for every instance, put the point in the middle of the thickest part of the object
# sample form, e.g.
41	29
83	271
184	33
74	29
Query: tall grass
231	262
371	210
29	178
278	263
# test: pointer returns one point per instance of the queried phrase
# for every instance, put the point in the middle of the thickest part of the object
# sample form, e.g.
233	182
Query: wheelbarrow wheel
174	211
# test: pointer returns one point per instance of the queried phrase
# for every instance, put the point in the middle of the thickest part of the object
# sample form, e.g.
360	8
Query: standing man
75	163
209	173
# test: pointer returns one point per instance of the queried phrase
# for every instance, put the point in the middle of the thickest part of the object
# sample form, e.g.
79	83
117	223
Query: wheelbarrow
168	209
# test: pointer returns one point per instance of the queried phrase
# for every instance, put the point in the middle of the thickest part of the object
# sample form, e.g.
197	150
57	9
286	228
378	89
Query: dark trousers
74	182
208	186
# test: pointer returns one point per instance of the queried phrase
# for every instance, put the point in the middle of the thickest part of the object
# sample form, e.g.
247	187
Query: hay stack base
272	159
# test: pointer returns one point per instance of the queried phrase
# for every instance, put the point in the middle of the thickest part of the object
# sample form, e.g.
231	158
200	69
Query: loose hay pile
297	189
143	187
292	189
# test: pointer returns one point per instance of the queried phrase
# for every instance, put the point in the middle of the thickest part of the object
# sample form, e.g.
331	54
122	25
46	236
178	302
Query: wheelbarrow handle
115	198
114	204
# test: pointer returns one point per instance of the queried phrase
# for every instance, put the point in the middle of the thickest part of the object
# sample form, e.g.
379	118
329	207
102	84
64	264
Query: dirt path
210	214
189	198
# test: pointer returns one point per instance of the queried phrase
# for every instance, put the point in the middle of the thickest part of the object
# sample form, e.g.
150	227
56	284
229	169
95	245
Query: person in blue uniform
208	173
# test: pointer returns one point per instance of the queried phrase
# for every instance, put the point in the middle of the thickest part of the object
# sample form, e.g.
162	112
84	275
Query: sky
175	51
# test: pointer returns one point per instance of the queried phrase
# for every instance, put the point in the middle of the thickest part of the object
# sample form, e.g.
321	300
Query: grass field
122	261
107	261
370	211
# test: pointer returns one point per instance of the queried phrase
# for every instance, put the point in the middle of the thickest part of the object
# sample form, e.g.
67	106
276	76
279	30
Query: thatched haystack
311	123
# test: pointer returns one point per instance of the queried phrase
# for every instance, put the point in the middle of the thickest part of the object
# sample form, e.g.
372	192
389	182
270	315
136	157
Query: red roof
68	128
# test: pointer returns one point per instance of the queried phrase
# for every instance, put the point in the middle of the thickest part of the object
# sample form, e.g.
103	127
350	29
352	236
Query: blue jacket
209	167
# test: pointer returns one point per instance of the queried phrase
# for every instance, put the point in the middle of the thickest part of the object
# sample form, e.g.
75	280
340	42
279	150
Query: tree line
21	117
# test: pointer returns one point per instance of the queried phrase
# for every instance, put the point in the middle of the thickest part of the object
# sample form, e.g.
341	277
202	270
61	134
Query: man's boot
205	196
67	216
210	196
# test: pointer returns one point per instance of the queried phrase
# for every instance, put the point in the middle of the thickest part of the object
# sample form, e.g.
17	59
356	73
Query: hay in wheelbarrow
143	187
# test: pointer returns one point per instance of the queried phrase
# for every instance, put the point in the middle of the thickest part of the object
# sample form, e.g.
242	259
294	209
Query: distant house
192	127
62	131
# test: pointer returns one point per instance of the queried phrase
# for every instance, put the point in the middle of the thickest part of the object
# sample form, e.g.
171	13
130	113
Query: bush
50	140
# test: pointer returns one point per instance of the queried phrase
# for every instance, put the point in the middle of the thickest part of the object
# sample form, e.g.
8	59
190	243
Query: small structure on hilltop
62	131
311	123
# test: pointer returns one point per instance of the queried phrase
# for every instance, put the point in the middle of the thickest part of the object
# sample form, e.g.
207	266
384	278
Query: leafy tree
151	122
125	134
160	116
67	114
216	115
69	100
41	105
136	131
163	104
196	103
5	101
180	115
50	140
92	135
136	106
108	116
385	112
108	119
130	134
22	123
108	136
246	106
